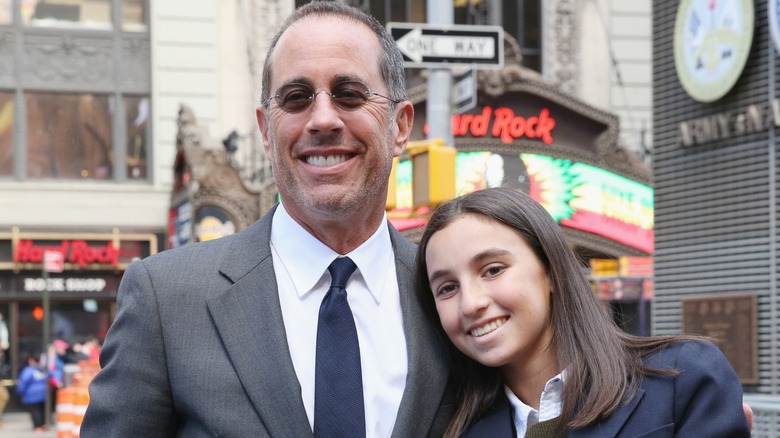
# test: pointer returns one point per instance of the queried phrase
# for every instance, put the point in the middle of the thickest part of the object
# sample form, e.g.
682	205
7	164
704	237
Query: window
529	34
68	136
64	121
521	19
470	12
6	134
137	111
6	17
417	12
93	14
134	15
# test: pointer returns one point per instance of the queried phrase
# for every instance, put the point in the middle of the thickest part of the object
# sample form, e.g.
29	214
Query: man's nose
325	115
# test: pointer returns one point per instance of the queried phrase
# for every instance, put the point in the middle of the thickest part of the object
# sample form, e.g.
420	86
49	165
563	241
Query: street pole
438	105
46	330
494	13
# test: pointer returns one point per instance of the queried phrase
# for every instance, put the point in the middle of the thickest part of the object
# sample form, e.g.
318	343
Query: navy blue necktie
338	383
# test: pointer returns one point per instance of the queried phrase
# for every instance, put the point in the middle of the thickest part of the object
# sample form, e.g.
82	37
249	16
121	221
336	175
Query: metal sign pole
46	330
438	106
53	261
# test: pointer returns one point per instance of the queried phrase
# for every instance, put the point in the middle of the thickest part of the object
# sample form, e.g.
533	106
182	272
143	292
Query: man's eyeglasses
348	96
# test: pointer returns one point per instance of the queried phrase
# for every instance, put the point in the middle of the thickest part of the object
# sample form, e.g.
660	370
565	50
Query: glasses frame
333	98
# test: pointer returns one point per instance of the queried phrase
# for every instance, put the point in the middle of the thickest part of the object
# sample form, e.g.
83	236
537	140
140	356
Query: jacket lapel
248	317
609	427
428	371
497	422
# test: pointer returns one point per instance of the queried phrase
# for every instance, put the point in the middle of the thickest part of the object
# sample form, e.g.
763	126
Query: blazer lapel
609	427
249	320
428	371
497	422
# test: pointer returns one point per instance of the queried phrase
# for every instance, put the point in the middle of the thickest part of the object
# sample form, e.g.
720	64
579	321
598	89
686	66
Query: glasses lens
294	98
350	95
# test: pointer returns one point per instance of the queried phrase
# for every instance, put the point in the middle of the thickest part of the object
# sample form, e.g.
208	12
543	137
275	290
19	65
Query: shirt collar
525	416
306	258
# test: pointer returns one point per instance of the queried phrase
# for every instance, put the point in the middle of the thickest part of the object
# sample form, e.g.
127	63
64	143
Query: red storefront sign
504	124
74	251
21	251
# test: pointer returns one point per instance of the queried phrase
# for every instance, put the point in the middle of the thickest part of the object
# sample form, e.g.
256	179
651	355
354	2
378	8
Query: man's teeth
330	160
485	329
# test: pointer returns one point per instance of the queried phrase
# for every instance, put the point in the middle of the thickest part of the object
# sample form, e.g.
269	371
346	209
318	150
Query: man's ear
404	119
264	125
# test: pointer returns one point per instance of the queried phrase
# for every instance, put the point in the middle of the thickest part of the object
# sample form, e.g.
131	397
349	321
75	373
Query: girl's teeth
487	328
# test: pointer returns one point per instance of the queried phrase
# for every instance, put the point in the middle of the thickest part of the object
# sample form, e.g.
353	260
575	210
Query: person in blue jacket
32	386
534	352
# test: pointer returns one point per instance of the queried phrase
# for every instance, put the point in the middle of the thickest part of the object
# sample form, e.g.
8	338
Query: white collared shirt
301	266
549	405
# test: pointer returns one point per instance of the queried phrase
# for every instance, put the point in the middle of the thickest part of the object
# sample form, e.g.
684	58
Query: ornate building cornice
213	180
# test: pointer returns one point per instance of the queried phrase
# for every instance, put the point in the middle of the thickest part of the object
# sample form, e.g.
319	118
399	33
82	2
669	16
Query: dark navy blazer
703	400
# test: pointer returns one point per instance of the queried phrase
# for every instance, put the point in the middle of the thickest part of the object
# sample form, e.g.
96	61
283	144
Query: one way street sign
443	46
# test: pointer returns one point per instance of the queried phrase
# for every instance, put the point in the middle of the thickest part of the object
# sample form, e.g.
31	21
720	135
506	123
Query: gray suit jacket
198	348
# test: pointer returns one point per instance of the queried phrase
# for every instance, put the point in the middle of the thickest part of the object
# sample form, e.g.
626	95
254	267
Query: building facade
716	119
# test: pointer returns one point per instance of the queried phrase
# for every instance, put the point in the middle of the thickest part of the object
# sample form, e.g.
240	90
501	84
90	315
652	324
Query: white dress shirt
301	266
549	405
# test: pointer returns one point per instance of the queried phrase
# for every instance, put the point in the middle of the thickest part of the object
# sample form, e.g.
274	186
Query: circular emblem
712	40
774	22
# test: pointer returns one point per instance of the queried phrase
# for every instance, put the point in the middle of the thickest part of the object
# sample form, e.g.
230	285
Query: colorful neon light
577	195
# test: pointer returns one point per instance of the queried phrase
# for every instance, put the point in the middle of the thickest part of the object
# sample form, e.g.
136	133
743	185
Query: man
219	338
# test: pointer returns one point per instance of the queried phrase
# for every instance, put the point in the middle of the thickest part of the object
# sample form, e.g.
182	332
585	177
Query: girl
534	352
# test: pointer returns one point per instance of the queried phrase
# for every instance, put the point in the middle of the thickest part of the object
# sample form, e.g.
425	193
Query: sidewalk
19	425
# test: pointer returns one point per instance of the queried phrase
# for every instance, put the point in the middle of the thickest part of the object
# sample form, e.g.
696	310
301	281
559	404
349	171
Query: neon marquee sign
577	195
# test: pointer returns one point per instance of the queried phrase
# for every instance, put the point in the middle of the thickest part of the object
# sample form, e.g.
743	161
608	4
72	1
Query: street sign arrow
446	46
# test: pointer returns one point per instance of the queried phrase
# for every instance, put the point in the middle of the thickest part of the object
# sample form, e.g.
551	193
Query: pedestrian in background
32	386
56	359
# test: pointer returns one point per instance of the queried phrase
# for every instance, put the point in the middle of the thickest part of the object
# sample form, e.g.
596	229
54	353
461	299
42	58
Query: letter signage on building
30	283
504	124
741	121
25	251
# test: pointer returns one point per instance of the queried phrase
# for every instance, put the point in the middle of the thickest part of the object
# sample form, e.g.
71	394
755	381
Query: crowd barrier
72	400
